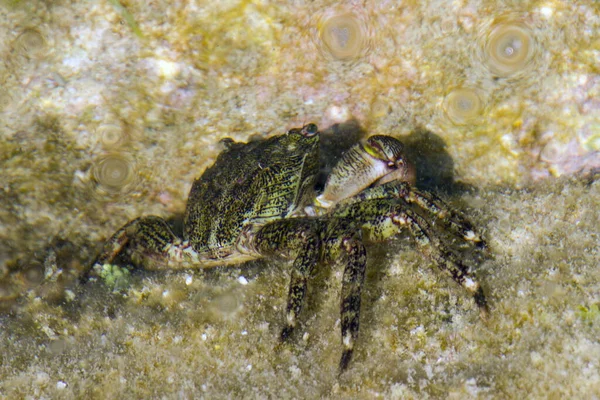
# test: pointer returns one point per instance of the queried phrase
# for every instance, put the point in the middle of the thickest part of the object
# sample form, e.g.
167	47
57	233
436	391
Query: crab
259	200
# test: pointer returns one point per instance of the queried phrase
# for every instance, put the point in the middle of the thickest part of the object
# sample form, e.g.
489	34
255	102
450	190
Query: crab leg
425	200
300	237
354	275
384	218
149	238
434	205
344	241
297	238
431	246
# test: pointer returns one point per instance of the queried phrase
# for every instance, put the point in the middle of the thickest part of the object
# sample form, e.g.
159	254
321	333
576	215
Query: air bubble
224	306
114	174
463	105
380	108
509	48
111	136
342	35
33	275
30	43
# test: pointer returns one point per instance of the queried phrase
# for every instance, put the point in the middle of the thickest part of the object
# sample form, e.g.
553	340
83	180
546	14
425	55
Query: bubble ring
508	48
111	136
464	105
114	175
31	43
342	34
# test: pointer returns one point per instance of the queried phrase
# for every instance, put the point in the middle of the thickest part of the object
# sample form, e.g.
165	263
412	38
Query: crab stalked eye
227	142
309	130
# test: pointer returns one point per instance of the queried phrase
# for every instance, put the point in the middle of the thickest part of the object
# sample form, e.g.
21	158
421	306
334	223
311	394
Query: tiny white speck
80	175
204	337
470	235
165	293
69	295
338	114
244	333
167	69
546	11
470	284
242	280
296	372
188	280
61	385
249	367
348	341
291	318
419	331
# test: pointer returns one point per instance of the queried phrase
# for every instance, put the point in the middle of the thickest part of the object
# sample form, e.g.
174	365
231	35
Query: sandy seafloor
108	110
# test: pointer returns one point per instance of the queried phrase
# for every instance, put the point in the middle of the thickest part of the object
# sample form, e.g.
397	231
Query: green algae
114	277
128	17
589	314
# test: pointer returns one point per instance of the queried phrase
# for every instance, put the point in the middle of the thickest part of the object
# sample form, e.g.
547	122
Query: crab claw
387	149
376	160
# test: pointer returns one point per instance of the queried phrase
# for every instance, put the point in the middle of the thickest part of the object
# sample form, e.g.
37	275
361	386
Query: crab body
258	200
249	184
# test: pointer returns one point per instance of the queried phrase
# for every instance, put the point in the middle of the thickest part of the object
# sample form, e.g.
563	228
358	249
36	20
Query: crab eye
309	130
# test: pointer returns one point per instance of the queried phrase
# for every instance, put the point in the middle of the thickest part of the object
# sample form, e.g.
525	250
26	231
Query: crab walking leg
381	219
431	246
148	237
434	205
293	237
354	276
300	237
425	200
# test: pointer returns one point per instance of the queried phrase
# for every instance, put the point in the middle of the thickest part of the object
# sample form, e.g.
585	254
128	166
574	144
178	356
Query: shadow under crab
258	200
